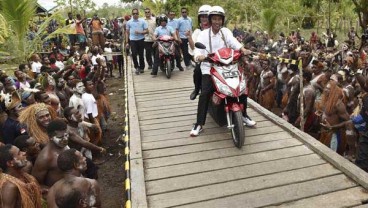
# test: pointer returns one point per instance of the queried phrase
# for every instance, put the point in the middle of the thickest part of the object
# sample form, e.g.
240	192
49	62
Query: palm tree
18	14
4	30
269	18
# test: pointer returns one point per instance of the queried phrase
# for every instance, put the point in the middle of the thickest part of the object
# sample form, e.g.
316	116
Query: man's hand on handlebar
246	51
201	58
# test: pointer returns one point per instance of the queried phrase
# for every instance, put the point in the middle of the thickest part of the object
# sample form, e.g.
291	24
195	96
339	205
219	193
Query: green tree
18	14
77	6
361	8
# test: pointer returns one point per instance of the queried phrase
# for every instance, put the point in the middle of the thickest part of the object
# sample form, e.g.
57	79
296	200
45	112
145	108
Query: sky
48	4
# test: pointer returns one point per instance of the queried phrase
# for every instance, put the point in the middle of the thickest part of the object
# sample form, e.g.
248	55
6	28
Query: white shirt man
90	105
217	42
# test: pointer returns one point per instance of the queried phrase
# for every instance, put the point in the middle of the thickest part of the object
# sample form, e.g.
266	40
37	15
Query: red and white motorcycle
229	82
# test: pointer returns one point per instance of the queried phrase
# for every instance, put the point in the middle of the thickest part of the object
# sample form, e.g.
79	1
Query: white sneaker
196	130
248	121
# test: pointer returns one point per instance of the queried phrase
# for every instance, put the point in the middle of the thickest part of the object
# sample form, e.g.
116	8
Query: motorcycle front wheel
237	132
168	69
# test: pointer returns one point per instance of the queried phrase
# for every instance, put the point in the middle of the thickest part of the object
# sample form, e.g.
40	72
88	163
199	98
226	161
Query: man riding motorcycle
163	29
214	38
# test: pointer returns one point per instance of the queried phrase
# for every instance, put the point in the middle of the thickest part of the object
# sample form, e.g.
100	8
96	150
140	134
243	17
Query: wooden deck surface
278	166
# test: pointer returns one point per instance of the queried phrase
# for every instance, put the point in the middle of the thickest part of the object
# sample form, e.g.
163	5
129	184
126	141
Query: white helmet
217	10
204	9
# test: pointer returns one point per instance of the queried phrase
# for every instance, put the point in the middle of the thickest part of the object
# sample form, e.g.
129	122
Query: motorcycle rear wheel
168	69
237	132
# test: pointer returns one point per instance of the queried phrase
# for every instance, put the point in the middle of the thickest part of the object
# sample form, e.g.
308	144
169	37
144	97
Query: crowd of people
54	110
54	113
334	85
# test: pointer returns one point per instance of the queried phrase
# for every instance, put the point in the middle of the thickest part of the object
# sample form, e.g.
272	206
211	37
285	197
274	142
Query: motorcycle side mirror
199	45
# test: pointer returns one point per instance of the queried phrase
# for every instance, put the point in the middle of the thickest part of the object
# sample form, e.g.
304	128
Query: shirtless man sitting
45	169
73	190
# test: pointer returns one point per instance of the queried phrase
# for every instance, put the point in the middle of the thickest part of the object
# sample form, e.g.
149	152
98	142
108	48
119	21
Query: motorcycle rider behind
214	39
192	38
163	29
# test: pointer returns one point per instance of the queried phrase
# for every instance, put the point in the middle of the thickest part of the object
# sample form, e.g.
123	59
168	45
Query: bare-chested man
73	190
60	92
28	145
45	169
311	125
319	81
266	91
336	122
290	112
17	188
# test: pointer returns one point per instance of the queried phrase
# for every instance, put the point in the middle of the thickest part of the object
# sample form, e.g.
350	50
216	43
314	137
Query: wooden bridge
279	166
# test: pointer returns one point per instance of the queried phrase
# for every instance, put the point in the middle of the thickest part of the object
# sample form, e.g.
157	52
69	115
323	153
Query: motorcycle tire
168	69
237	132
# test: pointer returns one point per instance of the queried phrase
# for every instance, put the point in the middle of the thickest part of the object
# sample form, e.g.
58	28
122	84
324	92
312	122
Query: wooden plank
224	175
156	173
162	87
190	120
134	130
168	129
339	162
211	138
161	107
198	148
168	111
178	118
362	206
165	120
167	102
345	198
279	195
211	131
166	116
259	191
138	188
220	153
168	94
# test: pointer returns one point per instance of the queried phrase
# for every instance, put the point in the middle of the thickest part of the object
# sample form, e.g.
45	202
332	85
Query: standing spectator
97	31
36	65
91	111
108	53
313	40
148	38
70	21
135	30
174	24
185	24
351	36
81	36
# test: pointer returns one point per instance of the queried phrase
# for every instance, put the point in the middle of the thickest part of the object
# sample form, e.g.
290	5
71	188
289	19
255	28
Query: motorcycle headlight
223	88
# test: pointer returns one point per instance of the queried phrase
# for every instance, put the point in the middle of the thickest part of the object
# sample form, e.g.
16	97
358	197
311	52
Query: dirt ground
111	172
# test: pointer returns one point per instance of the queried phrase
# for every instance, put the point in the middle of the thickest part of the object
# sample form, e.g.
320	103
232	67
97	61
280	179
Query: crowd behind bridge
54	109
